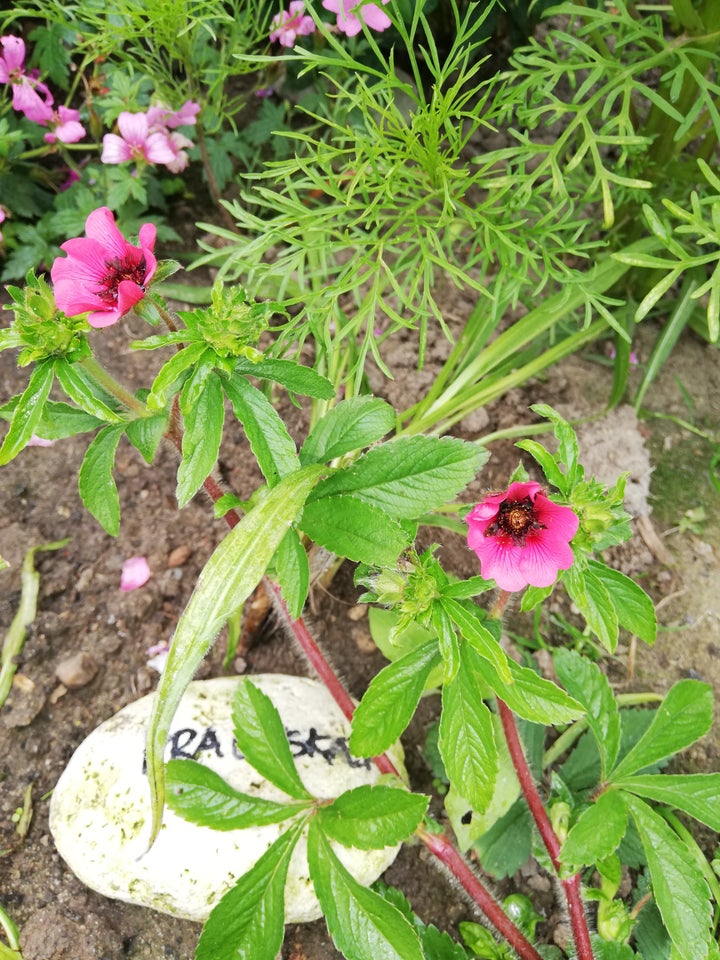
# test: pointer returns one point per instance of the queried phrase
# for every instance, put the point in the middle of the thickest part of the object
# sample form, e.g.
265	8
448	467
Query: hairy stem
571	885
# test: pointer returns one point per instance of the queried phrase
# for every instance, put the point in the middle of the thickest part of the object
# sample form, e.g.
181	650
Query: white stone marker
100	808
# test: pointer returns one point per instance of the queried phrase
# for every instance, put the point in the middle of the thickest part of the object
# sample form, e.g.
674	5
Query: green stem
110	384
11	931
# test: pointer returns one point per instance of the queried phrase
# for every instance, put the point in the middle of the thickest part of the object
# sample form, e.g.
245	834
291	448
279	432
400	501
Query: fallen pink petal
521	537
135	573
102	272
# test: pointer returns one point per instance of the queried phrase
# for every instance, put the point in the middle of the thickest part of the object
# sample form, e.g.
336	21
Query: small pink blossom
521	537
351	14
135	573
65	126
161	118
136	142
288	25
177	143
2	217
36	441
102	272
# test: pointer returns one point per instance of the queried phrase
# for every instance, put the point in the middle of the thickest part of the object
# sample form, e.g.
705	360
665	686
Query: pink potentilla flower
102	272
351	14
136	142
288	25
135	573
66	126
521	537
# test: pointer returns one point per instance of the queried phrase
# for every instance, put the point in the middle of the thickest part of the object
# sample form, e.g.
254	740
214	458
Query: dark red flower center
119	269
515	519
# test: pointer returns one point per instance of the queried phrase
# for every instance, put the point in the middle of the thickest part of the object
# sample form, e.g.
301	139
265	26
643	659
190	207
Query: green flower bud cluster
40	330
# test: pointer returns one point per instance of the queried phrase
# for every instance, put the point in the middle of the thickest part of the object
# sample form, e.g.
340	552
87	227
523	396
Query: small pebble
77	671
358	612
179	556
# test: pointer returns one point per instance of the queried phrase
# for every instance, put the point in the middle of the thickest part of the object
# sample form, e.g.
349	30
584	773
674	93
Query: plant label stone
100	808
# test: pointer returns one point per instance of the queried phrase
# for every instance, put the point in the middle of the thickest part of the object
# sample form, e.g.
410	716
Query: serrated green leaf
80	388
568	451
198	794
529	695
584	680
478	636
145	434
227	580
293	376
60	420
552	471
634	608
351	527
292	570
406	477
269	439
362	924
390	701
683	717
533	596
28	411
697	794
260	735
249	922
351	425
203	410
680	890
174	372
372	817
95	481
593	601
467	739
597	833
448	644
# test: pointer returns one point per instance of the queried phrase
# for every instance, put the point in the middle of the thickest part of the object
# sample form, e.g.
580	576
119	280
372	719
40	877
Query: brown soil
81	609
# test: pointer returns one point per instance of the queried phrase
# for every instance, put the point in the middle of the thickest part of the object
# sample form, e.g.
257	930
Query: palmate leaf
260	735
228	578
198	794
363	925
248	923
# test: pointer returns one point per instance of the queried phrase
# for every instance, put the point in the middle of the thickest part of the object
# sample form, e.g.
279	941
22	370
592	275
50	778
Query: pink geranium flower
102	272
136	142
288	25
135	573
351	14
160	117
65	126
30	96
521	537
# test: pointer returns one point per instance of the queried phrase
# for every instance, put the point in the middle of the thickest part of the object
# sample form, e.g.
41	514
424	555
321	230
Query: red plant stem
571	885
448	854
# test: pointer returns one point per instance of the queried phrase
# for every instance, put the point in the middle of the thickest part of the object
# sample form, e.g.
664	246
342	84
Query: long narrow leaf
230	575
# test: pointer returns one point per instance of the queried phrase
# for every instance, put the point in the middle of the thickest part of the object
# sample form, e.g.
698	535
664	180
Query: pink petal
115	149
158	149
133	128
13	56
135	573
70	132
